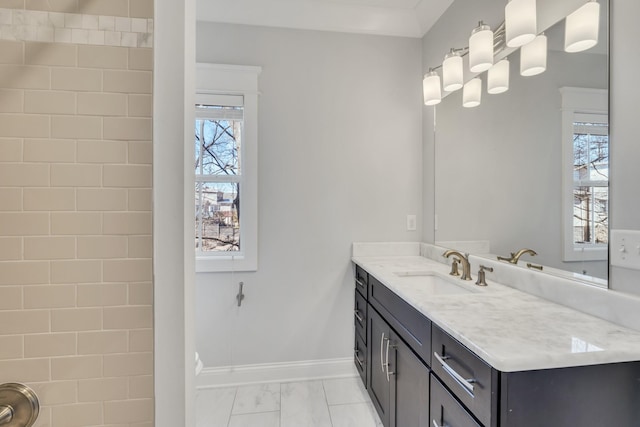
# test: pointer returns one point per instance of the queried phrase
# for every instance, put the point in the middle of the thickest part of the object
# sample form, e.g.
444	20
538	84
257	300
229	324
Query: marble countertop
509	329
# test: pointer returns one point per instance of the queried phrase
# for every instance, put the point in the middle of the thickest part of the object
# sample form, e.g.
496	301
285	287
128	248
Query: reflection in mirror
528	168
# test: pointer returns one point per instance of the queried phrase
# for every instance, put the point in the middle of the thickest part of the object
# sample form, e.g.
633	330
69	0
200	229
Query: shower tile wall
75	208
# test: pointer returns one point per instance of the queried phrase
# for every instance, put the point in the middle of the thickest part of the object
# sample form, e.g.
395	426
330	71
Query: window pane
217	146
217	217
590	215
590	151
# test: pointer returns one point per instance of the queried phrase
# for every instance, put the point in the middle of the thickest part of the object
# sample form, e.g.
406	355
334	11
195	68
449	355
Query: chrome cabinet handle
357	314
381	352
435	424
466	383
360	362
359	283
387	363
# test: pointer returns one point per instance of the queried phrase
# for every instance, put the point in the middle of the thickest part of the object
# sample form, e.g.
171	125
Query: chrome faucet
466	267
516	256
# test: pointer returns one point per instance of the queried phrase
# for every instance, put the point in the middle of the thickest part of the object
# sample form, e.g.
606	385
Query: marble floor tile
263	419
213	406
354	415
303	404
257	398
345	390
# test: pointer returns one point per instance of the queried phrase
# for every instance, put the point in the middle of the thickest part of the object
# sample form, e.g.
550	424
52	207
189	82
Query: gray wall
340	160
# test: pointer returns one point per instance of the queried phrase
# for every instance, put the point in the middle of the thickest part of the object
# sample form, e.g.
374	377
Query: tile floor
339	402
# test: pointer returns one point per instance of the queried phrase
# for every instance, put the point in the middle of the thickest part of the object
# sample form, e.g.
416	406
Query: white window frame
577	101
222	79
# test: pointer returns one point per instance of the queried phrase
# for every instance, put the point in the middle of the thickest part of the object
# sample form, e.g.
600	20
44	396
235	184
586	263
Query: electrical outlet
411	222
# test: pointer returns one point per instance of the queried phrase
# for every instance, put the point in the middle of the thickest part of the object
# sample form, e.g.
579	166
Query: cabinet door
410	390
379	382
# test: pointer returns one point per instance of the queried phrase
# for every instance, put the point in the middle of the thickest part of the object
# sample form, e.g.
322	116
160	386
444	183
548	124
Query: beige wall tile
141	386
141	152
25	371
12	51
24	175
48	345
10	298
24	76
141	293
60	54
49	296
11	100
102	151
24	126
134	317
76	415
76	127
141	8
140	246
140	340
69	6
100	247
10	247
122	365
49	102
50	150
24	322
140	199
44	417
103	199
11	346
141	58
81	223
140	105
108	57
76	176
56	392
129	270
77	271
127	176
128	411
138	129
10	150
128	81
49	199
23	224
80	79
127	223
102	389
103	342
104	7
24	273
102	104
10	199
102	295
76	319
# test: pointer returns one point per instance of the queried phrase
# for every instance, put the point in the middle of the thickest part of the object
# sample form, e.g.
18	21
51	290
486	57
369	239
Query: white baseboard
228	376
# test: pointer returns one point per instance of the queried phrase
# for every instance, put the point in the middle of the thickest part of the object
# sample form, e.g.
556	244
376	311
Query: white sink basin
436	283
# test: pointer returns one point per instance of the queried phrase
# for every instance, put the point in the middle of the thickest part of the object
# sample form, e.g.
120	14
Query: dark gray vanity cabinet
360	350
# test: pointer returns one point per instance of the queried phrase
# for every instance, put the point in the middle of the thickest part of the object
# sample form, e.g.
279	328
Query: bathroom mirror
499	166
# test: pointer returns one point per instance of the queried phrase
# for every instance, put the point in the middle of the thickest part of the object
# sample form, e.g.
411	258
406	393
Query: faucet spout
464	260
515	256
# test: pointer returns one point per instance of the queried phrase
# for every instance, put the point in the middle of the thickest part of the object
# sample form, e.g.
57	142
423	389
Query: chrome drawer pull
357	314
359	283
360	362
381	353
389	373
466	383
435	424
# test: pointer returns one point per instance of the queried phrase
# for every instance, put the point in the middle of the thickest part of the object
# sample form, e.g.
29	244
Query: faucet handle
454	267
481	275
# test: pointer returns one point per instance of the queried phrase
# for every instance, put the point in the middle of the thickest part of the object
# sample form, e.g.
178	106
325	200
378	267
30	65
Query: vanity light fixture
481	48
533	57
498	77
472	93
520	21
581	28
452	71
431	88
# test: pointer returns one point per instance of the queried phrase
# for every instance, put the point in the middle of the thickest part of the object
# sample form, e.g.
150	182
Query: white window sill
224	264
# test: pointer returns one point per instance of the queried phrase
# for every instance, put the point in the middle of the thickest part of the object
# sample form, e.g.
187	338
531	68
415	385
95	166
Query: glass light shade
520	22
481	48
431	88
452	72
581	28
472	93
533	57
498	77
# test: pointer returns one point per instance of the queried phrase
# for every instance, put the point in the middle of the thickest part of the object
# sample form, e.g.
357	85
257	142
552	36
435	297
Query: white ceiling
407	18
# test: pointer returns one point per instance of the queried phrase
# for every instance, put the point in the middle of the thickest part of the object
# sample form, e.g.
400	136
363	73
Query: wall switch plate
625	248
411	222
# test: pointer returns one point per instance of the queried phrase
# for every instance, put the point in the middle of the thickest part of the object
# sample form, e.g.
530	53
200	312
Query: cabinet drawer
360	358
445	409
408	322
362	281
472	381
360	316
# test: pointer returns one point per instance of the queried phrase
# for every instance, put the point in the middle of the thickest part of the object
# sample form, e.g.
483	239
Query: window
585	174
225	168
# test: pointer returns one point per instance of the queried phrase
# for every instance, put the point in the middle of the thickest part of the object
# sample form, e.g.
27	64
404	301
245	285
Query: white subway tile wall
76	291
